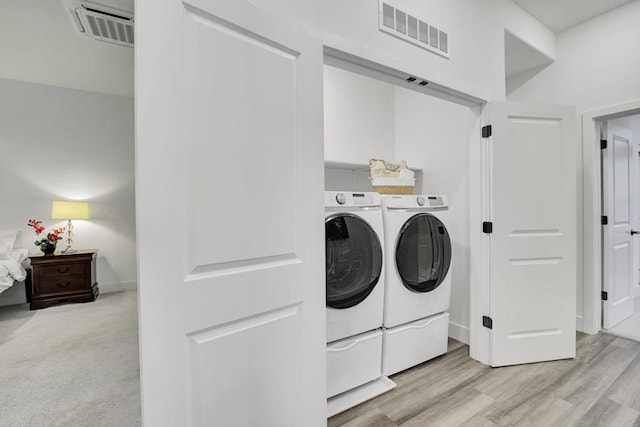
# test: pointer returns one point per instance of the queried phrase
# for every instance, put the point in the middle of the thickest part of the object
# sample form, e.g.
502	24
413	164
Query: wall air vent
408	27
102	23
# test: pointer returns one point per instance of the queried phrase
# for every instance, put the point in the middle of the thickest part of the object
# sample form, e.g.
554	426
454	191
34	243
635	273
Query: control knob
420	201
341	198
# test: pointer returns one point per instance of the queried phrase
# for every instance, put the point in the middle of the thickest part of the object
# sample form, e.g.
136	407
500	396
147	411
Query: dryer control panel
432	202
350	199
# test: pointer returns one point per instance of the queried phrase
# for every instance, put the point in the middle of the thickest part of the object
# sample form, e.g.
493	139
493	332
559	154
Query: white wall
437	134
476	36
597	65
60	144
358	117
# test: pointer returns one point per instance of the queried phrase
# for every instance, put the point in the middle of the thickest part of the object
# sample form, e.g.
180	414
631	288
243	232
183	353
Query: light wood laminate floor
600	387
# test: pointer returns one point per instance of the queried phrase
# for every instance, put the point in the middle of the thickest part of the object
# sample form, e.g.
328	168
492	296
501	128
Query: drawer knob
60	270
61	285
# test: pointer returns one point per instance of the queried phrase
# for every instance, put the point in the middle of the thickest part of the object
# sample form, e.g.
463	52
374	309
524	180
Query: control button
420	201
341	198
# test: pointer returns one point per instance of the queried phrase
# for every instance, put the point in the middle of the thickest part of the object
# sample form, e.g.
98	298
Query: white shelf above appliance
334	164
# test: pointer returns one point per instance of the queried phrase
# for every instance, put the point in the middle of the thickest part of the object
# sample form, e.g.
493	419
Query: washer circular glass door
353	260
423	253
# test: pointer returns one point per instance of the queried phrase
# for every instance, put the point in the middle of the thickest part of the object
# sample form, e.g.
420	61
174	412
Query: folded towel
386	168
407	173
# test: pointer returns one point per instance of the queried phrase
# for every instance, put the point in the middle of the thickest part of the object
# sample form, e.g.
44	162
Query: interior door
618	165
530	201
229	205
635	200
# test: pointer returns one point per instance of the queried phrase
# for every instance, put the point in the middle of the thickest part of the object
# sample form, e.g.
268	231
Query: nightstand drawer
62	284
59	270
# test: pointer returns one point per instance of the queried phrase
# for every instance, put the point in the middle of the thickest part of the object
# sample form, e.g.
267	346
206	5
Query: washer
354	240
418	281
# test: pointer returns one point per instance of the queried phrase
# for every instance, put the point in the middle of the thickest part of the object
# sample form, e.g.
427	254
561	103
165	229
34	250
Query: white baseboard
459	332
580	323
106	288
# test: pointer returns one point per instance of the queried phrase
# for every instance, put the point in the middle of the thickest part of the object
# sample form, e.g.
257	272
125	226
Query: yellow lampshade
70	210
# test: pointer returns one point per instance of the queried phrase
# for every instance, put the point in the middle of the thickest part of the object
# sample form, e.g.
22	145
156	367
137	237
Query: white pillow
6	245
10	236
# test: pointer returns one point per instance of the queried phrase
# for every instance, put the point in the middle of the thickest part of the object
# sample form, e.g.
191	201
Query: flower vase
48	247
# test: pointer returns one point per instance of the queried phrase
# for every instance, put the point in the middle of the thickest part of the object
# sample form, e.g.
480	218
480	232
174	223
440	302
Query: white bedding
11	270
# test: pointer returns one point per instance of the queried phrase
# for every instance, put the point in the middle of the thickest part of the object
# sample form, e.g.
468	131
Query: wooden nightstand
64	278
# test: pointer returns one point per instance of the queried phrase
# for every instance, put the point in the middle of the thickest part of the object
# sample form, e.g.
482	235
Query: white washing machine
354	239
418	280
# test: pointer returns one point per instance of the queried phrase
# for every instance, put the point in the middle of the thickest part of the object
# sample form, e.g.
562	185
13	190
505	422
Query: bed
12	268
13	260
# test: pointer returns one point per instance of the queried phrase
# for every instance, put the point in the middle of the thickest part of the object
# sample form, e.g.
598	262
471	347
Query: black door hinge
487	227
604	220
487	322
604	296
486	131
603	144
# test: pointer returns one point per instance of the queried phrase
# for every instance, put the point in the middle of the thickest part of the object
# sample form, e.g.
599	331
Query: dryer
418	280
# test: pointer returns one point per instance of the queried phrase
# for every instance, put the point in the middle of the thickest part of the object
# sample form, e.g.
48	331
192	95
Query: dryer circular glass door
353	260
423	253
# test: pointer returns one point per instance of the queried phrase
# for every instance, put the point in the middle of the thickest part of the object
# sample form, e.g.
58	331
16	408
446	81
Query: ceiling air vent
406	26
102	23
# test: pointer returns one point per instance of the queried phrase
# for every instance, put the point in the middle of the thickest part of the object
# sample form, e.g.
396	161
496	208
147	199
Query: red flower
53	237
37	226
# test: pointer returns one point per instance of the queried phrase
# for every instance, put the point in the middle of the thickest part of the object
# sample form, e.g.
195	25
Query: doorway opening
375	112
620	180
611	218
372	111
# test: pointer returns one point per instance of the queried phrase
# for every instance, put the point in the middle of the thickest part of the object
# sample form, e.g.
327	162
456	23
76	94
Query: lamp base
68	249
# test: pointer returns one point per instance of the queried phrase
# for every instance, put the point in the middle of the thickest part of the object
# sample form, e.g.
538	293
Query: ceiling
559	15
40	45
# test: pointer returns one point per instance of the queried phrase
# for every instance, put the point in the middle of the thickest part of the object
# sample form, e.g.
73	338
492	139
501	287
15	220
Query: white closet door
531	193
229	180
635	193
618	165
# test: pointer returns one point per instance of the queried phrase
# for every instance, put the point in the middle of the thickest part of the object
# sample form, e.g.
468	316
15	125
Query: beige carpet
71	365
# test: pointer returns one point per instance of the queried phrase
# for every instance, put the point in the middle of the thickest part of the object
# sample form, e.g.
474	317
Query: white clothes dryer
418	249
354	240
418	280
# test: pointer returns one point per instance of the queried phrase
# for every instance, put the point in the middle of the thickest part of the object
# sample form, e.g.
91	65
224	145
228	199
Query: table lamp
69	210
